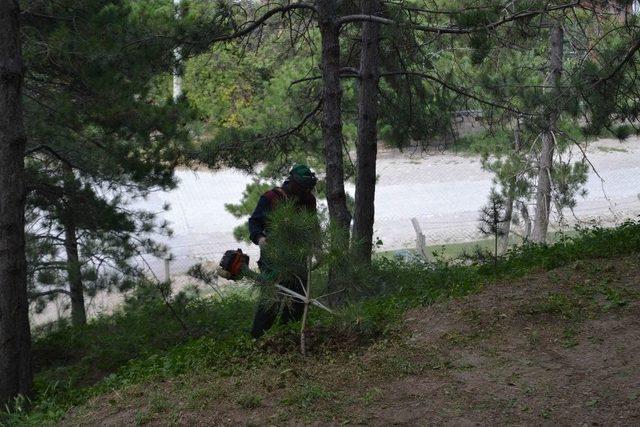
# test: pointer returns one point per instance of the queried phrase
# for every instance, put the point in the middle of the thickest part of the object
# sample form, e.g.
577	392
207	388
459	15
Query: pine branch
50	292
301	124
456	89
344	72
455	30
630	54
238	33
51	151
258	22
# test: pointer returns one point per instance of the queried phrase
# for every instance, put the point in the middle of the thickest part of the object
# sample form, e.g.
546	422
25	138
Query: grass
249	401
451	251
145	343
500	141
612	149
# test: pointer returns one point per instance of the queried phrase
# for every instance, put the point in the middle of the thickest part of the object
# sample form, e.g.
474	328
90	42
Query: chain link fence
421	199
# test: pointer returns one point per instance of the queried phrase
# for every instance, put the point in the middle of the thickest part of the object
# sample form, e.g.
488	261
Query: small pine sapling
295	238
492	218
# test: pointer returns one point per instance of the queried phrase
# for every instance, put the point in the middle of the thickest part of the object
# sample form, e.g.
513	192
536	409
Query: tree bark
74	273
367	144
506	225
526	218
15	337
333	143
177	57
332	114
545	164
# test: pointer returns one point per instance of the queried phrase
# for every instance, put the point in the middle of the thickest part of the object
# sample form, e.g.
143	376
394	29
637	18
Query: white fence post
167	270
421	241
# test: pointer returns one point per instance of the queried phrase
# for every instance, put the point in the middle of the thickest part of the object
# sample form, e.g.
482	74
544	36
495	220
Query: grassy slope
558	346
221	376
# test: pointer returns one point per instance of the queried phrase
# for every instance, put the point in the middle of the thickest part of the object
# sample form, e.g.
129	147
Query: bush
623	132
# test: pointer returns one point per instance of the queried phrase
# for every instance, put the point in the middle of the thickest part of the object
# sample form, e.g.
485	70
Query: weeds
306	395
144	343
249	401
371	396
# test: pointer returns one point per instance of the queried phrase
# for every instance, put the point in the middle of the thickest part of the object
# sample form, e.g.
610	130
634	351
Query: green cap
303	176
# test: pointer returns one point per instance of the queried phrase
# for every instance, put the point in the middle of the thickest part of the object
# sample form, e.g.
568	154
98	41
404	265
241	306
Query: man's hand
262	242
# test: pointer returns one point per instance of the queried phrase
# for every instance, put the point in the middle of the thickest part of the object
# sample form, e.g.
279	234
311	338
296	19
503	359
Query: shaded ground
557	347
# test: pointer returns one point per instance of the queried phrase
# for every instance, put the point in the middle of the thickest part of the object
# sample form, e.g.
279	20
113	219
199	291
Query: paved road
446	192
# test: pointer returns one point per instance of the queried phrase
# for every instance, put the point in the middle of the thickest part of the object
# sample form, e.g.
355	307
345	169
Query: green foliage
623	132
250	401
144	342
250	197
70	359
493	218
294	237
103	132
569	180
142	326
250	109
306	395
267	180
492	215
98	103
245	207
486	143
608	91
590	243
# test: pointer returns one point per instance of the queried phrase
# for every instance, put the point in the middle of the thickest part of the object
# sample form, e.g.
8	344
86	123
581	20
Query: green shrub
623	132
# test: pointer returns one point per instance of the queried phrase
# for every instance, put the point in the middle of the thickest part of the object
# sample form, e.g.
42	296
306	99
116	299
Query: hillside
558	344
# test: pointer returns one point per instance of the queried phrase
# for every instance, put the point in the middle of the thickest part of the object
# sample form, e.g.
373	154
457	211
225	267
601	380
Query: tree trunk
543	193
332	115
177	58
545	164
15	337
367	148
506	225
74	274
508	214
526	218
332	138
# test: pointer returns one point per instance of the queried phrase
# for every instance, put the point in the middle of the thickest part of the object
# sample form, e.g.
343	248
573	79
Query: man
297	189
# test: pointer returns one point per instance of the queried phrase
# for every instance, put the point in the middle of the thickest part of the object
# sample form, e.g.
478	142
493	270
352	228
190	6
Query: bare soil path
561	347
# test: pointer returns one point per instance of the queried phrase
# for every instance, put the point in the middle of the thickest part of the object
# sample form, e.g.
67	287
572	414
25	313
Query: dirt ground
553	348
556	348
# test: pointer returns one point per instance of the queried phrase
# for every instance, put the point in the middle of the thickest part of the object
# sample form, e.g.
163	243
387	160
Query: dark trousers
268	309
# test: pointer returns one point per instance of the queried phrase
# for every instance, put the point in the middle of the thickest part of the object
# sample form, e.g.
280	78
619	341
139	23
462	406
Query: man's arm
316	230
316	221
258	220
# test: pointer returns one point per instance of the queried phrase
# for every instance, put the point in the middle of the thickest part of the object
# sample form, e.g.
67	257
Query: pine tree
102	131
15	339
430	62
493	216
